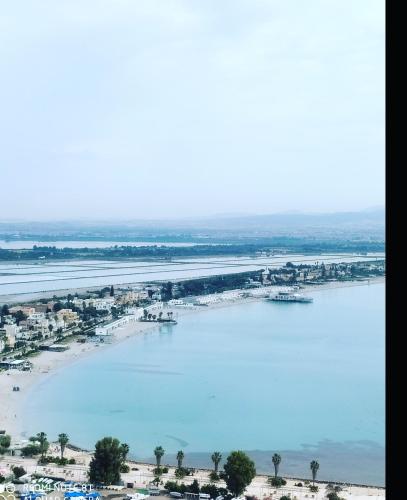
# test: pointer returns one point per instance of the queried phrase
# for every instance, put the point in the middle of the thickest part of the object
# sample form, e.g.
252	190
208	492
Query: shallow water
305	378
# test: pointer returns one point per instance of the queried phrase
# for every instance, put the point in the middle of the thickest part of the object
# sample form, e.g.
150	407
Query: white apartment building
36	318
104	304
109	328
154	307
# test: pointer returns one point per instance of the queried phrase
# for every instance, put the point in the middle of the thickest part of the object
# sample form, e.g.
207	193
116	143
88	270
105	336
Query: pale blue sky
166	108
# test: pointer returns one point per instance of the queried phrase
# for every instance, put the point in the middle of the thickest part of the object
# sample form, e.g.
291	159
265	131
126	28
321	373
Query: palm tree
41	437
276	462
180	458
314	466
63	440
216	458
159	452
125	450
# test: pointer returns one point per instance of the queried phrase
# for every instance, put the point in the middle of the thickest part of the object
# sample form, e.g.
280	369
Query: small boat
289	297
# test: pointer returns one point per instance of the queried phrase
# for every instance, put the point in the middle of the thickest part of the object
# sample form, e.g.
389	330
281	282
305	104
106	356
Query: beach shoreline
47	363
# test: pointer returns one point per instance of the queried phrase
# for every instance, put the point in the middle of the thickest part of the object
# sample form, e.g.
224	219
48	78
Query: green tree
106	462
5	310
276	462
180	458
43	444
216	458
333	496
112	291
30	450
5	441
18	471
239	472
314	466
19	316
63	440
125	451
159	453
194	487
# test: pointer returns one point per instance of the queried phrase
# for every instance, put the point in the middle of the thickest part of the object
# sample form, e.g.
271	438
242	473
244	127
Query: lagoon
30	280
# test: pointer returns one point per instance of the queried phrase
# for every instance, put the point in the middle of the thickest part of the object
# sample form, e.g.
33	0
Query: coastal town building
176	302
109	328
8	334
67	315
137	312
132	296
26	310
181	303
16	364
42	308
36	318
157	306
100	304
8	319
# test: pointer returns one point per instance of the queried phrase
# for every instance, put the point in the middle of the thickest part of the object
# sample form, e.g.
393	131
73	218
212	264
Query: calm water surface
259	376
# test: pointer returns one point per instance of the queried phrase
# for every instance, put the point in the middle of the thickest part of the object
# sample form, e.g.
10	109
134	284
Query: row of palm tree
43	444
217	458
314	466
149	316
159	453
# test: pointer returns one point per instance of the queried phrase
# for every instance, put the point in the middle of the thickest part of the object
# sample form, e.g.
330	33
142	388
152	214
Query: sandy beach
47	363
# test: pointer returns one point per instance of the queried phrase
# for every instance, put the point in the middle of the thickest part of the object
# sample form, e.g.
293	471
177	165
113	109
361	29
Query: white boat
289	297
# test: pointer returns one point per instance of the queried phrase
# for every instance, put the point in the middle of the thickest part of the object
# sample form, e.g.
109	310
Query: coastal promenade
143	476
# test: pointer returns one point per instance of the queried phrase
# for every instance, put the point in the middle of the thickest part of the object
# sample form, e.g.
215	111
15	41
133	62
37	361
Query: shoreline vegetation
47	363
157	250
84	466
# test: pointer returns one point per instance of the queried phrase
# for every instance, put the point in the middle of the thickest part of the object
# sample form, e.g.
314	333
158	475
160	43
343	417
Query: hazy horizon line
191	218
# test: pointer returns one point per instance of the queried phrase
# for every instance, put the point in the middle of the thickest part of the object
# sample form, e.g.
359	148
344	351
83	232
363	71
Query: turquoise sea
306	380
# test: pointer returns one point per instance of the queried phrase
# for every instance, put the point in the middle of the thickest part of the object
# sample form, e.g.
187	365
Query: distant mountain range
365	223
278	220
